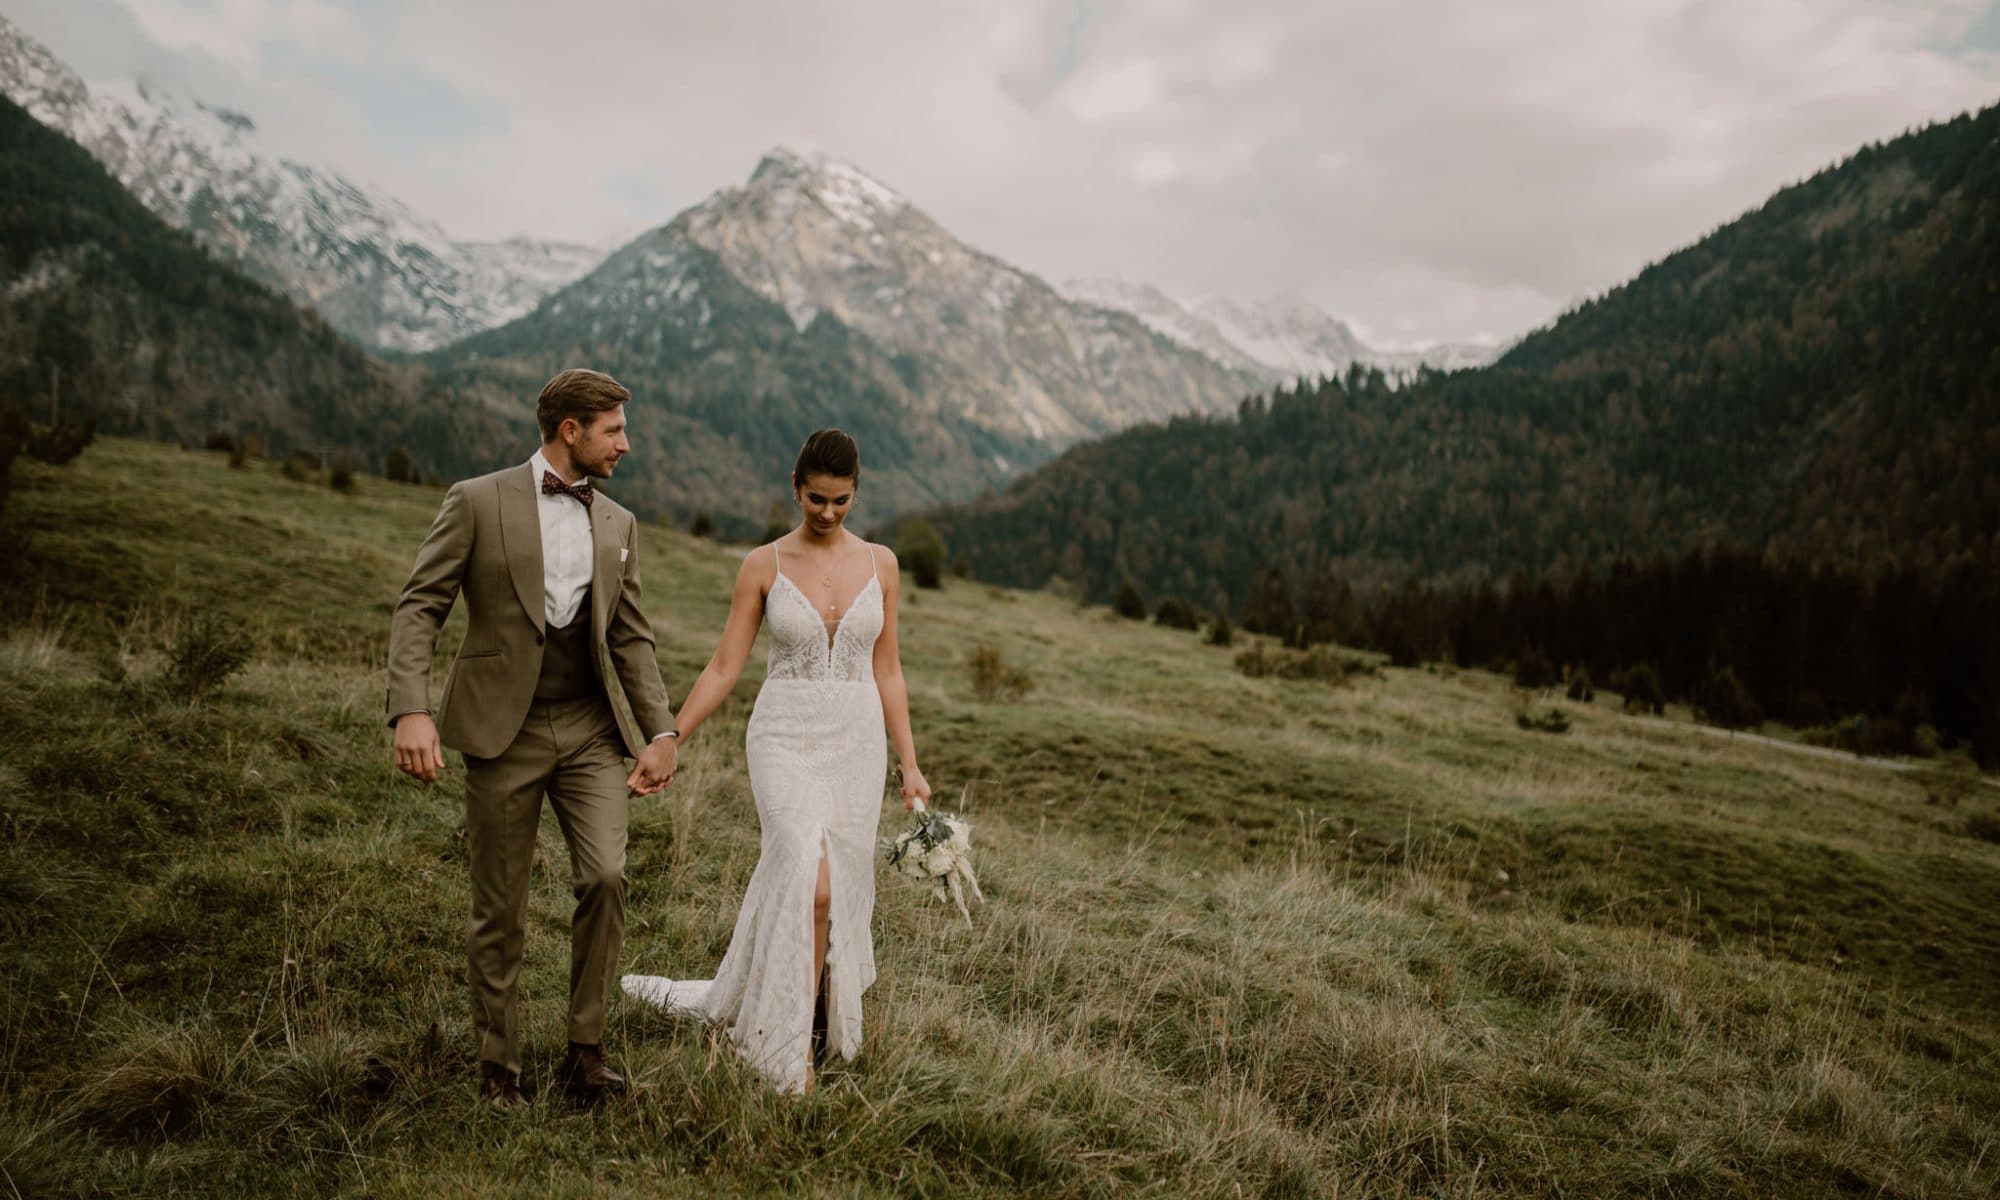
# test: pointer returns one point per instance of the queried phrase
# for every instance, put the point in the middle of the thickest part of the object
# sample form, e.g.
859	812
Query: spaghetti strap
873	569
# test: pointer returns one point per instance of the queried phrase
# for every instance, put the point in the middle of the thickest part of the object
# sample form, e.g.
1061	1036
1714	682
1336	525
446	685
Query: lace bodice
803	648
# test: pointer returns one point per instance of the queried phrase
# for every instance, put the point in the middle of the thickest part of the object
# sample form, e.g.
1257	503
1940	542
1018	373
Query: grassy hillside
1245	936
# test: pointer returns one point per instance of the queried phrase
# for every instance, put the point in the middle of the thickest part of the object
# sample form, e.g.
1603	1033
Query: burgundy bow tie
552	484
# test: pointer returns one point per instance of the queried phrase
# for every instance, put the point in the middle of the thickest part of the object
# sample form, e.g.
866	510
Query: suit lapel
604	572
521	538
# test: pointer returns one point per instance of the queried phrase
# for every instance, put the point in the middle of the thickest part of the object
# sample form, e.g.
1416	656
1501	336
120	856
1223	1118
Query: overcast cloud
1428	170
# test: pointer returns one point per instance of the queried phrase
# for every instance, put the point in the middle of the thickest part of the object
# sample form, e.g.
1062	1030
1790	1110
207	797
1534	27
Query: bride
801	954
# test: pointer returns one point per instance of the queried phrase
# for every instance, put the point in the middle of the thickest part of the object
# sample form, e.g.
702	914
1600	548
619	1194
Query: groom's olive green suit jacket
487	545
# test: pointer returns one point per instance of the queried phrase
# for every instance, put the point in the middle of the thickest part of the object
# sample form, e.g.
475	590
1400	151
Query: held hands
418	752
655	768
915	787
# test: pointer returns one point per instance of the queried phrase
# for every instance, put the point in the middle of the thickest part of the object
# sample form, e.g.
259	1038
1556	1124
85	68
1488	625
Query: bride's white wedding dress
818	758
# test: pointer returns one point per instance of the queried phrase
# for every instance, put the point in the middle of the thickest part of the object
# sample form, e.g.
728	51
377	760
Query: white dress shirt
566	548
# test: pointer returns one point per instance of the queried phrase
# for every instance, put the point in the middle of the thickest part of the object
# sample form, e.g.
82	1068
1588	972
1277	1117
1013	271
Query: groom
557	682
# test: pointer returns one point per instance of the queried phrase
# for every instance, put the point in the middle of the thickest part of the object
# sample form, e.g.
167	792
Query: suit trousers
570	751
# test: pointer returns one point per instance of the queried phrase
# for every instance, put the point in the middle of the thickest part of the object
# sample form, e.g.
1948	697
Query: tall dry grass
1244	936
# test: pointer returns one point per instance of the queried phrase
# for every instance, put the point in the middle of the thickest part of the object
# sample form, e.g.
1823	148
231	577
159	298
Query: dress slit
825	863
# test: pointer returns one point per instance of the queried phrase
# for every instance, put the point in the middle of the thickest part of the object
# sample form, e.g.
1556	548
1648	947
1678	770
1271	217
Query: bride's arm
889	680
739	633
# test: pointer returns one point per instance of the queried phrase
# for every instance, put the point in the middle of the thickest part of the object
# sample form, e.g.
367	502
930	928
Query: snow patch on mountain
815	236
1289	334
376	270
1280	340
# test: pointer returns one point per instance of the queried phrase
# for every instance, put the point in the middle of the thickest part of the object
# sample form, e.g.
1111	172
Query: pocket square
624	552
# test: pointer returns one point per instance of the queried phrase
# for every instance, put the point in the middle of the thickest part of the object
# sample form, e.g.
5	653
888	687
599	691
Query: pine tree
1330	612
1268	608
921	552
1723	700
1175	613
1129	603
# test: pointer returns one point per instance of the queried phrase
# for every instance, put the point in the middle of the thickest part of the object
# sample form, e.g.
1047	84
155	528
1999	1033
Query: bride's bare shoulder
760	564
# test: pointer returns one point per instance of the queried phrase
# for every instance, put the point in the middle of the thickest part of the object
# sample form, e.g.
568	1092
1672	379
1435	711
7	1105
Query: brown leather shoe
587	1073
500	1088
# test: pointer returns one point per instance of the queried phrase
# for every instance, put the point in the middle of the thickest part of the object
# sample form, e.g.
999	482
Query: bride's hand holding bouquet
916	789
936	849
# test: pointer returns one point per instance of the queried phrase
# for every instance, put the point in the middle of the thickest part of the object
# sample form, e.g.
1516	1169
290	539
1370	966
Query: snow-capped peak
1281	338
375	269
1169	318
847	191
818	236
1287	332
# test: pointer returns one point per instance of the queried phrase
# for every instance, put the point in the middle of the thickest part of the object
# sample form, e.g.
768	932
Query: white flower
937	850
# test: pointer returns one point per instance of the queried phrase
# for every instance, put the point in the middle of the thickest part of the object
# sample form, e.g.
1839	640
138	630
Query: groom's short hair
580	393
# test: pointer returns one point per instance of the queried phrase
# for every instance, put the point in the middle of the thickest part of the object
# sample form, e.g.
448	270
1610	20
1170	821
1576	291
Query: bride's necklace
826	581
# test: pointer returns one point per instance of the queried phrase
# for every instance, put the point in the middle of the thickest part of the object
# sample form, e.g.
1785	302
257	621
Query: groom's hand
655	768
418	752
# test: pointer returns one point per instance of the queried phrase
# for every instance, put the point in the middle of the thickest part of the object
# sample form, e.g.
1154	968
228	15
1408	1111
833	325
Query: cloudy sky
1429	170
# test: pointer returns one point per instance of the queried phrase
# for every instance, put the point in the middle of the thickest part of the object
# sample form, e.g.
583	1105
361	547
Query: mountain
811	295
816	235
1280	340
1165	316
511	276
814	295
1291	335
377	271
1436	356
113	316
109	315
1815	381
727	386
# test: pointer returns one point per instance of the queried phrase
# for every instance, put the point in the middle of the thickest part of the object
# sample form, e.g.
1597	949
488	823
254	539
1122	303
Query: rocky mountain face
814	295
1278	340
1290	334
510	277
1164	315
993	343
730	383
378	272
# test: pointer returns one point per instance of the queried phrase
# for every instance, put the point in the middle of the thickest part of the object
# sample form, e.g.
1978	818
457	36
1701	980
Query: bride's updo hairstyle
828	452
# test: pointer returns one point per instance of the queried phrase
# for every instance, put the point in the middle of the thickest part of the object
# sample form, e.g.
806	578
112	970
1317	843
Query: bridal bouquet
937	849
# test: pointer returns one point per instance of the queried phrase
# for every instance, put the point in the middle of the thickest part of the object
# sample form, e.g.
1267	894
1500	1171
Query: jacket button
538	639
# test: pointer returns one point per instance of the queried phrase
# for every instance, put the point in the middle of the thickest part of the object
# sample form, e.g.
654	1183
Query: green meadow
1243	936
